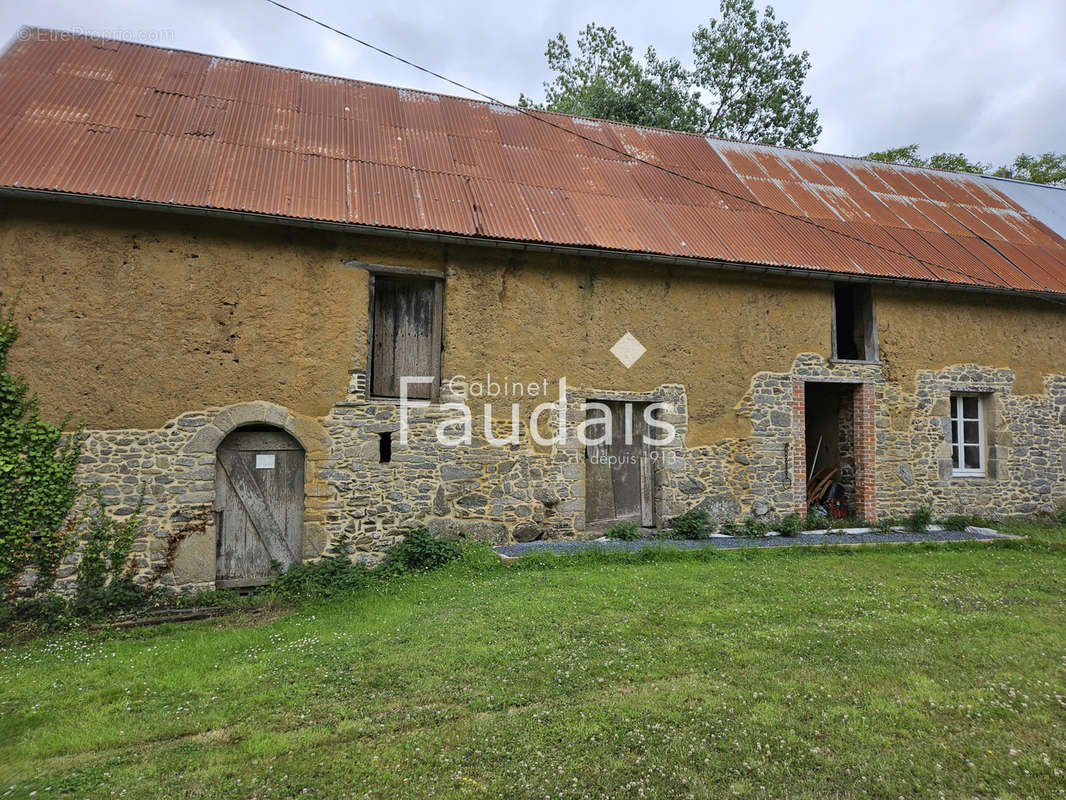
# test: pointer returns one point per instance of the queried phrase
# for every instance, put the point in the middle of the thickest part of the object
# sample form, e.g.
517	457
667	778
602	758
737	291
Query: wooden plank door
405	335
619	474
259	504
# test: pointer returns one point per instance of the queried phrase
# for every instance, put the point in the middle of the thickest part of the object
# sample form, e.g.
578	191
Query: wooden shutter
405	335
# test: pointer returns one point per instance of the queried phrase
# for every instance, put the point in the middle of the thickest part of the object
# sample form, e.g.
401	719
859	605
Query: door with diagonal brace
259	504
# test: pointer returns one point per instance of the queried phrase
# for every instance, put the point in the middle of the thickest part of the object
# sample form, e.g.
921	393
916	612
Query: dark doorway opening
854	328
830	445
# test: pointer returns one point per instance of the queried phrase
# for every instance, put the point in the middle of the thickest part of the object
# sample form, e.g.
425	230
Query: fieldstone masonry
522	492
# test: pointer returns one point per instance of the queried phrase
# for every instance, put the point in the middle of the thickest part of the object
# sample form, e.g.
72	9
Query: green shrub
958	522
919	519
731	528
885	525
692	524
419	551
318	579
116	597
37	488
624	531
754	529
789	525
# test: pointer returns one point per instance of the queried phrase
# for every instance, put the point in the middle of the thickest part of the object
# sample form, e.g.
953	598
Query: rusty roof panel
383	195
270	171
866	258
903	263
736	235
469	118
318	188
778	247
606	220
446	202
317	95
429	150
1049	264
123	120
319	134
181	171
816	244
501	211
929	257
769	194
651	228
698	238
809	202
33	152
555	216
903	208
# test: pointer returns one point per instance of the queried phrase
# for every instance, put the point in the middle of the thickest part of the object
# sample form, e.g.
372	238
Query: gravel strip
733	543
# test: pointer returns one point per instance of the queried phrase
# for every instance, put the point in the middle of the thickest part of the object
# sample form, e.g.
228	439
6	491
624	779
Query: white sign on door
264	461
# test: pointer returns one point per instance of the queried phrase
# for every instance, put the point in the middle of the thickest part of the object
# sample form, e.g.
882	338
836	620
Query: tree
605	80
754	83
908	154
37	487
744	83
1048	168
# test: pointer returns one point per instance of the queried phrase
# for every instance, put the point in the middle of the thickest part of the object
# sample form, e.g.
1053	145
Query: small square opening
385	447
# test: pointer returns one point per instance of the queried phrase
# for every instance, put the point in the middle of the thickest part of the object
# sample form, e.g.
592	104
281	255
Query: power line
630	157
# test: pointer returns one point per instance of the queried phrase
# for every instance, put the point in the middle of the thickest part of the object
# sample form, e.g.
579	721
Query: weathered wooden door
405	335
619	483
259	506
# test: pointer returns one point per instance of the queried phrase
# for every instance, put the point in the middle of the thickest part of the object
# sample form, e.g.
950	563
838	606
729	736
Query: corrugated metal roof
130	121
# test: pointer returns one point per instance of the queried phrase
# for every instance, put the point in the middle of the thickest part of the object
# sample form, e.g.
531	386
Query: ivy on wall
37	487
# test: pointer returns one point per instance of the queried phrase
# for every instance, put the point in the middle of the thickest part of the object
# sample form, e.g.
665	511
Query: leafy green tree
745	82
908	154
753	82
1048	168
604	79
37	488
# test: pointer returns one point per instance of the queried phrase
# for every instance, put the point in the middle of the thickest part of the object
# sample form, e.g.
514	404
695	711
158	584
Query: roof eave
511	244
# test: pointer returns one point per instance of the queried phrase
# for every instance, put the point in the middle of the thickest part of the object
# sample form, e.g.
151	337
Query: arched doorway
259	505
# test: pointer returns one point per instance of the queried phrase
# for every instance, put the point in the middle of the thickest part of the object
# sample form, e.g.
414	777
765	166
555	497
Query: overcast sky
984	77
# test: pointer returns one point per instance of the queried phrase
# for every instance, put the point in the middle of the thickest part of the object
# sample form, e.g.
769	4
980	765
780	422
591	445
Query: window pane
954	431
969	407
955	457
955	407
971	433
972	456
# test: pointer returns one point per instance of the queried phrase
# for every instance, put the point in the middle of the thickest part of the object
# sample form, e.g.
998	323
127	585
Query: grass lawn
892	672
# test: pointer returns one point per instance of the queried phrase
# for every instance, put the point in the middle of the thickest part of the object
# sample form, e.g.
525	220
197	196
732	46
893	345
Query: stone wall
519	491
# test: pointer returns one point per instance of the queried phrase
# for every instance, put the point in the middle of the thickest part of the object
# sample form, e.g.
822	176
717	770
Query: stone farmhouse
226	270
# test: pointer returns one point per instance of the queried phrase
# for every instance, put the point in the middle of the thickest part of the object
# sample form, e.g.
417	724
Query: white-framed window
967	434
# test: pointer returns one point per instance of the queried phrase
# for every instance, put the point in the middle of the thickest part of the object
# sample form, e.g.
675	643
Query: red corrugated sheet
130	121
